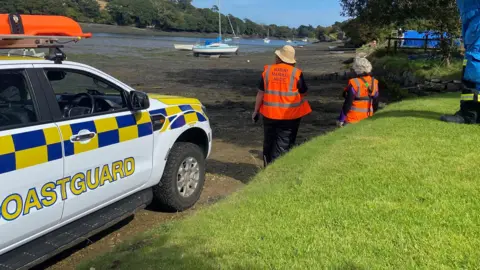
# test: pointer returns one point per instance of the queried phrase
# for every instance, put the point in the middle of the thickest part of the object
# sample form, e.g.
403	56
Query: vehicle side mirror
139	101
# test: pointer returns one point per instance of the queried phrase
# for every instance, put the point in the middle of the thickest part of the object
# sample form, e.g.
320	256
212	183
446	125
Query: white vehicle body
50	180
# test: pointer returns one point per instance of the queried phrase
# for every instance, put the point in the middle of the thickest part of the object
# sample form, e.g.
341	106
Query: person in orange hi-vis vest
361	94
281	102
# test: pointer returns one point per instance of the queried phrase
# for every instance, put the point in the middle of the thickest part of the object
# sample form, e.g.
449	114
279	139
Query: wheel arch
196	136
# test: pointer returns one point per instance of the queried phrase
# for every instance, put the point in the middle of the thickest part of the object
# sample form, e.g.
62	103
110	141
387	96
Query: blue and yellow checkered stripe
28	149
33	148
180	115
187	118
109	131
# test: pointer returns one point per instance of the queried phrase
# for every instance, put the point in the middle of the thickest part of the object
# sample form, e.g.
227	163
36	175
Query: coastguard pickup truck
80	150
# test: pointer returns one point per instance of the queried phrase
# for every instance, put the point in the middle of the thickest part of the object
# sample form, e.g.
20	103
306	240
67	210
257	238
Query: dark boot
464	116
456	118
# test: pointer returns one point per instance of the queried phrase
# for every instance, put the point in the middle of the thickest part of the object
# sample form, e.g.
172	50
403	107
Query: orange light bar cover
45	25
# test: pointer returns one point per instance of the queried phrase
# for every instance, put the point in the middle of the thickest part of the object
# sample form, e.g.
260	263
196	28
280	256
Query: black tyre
183	179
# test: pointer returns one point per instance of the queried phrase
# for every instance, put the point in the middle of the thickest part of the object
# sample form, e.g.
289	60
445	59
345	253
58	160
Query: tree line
375	19
165	15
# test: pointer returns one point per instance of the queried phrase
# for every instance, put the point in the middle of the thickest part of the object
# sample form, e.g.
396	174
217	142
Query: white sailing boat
290	40
233	31
217	48
267	39
238	31
183	47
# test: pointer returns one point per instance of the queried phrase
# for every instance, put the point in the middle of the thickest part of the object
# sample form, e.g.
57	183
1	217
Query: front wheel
183	178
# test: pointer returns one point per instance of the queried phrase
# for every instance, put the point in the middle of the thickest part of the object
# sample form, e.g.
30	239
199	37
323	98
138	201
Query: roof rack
53	43
33	42
39	31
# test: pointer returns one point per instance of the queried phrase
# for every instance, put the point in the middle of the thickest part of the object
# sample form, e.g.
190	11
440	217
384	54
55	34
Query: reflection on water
119	44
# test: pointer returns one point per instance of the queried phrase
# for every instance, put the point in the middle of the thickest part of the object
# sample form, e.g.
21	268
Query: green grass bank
397	191
421	68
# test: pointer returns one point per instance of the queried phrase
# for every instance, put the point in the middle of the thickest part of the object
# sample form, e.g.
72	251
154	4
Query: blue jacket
470	14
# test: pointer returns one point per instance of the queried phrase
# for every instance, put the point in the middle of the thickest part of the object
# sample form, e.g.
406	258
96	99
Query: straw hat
286	54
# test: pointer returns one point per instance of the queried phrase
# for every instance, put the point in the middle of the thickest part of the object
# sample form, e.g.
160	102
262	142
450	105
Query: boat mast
231	26
219	21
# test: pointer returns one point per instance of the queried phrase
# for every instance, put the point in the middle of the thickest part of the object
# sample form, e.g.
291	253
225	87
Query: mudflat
227	87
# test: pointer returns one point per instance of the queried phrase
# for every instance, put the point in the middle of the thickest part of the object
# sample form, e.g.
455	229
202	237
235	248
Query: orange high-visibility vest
281	99
366	88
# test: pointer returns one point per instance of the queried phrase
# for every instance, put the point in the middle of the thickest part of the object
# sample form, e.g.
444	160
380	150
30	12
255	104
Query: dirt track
227	86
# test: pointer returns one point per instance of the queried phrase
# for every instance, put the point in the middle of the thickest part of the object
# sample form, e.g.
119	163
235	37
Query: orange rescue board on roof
43	25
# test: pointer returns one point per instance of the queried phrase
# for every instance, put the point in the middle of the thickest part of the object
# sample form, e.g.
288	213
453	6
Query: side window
16	102
81	94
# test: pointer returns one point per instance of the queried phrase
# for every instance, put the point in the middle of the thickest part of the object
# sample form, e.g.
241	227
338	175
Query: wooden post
395	47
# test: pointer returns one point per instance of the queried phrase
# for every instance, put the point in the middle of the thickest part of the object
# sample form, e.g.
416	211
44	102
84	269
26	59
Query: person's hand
255	116
340	124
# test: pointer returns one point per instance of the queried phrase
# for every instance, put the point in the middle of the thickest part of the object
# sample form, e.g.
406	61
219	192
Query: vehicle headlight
204	109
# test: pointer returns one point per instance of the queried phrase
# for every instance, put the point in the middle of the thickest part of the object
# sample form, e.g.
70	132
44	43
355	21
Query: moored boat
215	49
183	47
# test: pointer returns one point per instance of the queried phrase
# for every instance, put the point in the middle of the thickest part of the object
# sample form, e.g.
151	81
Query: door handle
83	137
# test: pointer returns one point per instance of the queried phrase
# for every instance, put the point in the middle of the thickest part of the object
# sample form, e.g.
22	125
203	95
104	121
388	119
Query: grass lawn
398	191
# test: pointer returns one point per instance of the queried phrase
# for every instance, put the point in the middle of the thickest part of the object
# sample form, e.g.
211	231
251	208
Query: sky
281	12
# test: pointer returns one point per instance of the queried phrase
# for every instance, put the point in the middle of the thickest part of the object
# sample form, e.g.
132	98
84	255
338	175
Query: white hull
215	50
267	41
183	47
289	41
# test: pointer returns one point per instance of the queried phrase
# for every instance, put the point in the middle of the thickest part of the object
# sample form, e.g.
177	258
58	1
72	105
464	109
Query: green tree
41	7
166	15
438	15
89	8
305	31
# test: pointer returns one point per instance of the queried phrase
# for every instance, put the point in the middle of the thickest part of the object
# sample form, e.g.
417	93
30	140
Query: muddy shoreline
227	87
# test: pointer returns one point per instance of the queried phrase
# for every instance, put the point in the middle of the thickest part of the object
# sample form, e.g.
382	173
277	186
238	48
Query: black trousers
469	110
279	137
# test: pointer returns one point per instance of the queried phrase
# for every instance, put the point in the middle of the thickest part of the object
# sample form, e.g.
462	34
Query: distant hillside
165	15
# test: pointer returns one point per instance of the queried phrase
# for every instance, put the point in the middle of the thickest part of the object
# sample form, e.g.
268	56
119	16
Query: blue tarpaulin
211	41
470	14
412	34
